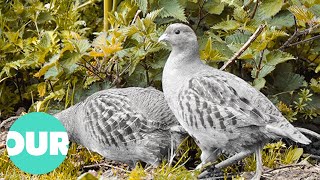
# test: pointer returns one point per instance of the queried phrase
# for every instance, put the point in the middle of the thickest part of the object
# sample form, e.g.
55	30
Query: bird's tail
285	129
309	132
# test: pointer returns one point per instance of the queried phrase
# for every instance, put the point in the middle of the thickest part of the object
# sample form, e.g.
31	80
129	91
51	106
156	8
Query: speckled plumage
219	109
127	125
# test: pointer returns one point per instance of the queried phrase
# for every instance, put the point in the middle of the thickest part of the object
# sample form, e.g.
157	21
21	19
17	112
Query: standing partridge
218	109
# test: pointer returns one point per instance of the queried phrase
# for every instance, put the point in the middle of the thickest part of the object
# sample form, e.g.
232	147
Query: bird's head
179	36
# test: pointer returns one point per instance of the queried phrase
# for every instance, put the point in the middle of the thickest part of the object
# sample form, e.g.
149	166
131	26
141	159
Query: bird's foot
202	166
211	173
257	176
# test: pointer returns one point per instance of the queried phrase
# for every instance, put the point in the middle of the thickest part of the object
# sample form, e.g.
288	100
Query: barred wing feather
111	120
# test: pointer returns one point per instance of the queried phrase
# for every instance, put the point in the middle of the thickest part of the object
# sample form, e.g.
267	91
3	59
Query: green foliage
137	173
40	46
77	158
51	54
275	155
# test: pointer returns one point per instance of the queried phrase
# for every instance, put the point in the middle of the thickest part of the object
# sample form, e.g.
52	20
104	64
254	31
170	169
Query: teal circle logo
37	143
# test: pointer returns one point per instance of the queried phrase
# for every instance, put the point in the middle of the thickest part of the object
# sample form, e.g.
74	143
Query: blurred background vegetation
54	53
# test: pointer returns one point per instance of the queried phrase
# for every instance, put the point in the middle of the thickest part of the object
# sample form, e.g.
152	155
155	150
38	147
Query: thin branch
89	65
91	71
117	74
125	69
316	57
260	62
303	41
105	165
304	59
283	167
254	10
200	14
313	156
309	30
145	66
18	86
135	17
295	24
83	5
245	46
297	34
51	87
4	79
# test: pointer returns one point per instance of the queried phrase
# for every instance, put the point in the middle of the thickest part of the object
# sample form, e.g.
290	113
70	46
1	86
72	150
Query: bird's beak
163	37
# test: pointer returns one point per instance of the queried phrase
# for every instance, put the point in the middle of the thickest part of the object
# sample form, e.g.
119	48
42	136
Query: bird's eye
177	31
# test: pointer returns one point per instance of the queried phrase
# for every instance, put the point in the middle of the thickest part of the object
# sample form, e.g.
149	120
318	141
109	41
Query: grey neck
184	56
68	118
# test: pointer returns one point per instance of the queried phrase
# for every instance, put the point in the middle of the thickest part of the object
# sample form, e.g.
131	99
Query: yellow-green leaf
259	83
214	7
302	14
317	69
42	88
269	8
227	25
276	57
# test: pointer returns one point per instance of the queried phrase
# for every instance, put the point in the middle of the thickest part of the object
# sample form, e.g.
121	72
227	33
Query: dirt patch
303	170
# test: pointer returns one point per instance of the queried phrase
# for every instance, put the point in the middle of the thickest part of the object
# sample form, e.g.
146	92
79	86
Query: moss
137	173
274	155
71	168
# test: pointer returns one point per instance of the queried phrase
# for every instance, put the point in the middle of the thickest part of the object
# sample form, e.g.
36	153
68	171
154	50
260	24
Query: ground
93	166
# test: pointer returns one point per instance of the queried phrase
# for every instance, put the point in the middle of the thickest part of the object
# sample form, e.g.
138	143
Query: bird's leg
208	157
233	159
226	163
259	168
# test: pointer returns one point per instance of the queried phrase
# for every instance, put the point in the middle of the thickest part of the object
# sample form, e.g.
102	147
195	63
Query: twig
254	10
296	34
286	166
4	79
94	68
316	57
125	69
303	41
259	65
51	87
91	71
89	65
18	87
245	46
106	165
304	59
117	74
200	14
313	156
135	17
83	5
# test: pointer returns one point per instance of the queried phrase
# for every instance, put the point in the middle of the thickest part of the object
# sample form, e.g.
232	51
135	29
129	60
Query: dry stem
245	46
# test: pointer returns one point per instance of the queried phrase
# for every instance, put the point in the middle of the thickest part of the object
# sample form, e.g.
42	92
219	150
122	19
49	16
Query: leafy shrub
50	50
